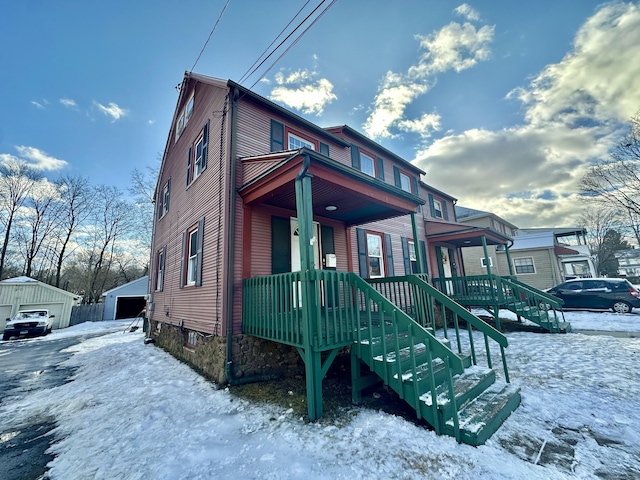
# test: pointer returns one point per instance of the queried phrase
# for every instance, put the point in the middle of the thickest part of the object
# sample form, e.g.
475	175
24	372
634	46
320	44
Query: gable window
191	263
184	117
483	262
198	153
524	265
160	262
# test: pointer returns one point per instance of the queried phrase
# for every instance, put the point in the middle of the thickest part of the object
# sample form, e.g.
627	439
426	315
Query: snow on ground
134	412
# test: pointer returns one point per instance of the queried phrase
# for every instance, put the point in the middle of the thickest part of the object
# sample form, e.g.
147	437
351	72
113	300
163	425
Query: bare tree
17	179
616	181
142	188
599	220
76	198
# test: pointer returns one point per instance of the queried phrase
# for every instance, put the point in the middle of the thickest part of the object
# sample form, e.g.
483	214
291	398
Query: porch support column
493	287
506	249
487	259
313	366
416	242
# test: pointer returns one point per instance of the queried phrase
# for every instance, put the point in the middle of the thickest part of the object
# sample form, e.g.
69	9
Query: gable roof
133	283
466	213
32	282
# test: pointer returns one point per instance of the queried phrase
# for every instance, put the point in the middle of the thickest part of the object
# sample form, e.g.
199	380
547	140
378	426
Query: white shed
24	293
126	301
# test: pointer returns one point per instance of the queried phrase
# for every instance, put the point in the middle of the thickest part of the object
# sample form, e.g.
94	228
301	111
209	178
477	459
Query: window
184	117
192	257
160	261
166	192
367	164
191	262
524	265
405	182
375	253
192	339
412	257
437	208
483	262
296	141
198	154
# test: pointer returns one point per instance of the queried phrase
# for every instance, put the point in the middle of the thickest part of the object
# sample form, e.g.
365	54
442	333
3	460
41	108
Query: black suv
614	293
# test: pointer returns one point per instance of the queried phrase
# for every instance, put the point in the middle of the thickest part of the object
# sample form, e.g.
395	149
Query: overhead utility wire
274	41
294	42
211	34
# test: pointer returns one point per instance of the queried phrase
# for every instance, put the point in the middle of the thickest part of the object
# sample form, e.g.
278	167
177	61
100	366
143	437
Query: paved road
27	366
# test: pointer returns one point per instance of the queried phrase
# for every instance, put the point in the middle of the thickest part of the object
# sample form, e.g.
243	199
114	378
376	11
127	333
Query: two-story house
274	237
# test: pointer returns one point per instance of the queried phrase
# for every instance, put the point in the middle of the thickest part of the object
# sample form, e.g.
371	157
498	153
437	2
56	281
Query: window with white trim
197	160
437	208
184	117
166	193
192	256
524	265
296	141
412	256
160	270
367	164
405	182
375	252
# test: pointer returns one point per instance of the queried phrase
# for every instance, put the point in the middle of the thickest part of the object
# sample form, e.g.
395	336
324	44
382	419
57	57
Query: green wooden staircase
444	384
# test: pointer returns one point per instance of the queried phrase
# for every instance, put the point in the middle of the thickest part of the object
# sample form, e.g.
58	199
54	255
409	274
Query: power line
210	34
295	41
274	41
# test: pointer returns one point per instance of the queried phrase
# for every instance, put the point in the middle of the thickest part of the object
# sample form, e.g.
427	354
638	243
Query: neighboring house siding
546	269
36	295
203	198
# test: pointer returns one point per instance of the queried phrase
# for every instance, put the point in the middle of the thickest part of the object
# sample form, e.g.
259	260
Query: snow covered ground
134	412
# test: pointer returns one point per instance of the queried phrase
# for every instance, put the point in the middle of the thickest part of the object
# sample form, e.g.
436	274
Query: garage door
5	312
129	307
54	309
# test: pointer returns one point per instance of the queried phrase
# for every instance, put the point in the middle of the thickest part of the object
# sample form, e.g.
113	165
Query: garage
24	293
126	301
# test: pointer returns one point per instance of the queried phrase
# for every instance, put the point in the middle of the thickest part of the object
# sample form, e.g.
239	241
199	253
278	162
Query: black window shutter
444	211
189	166
327	241
280	245
205	145
361	236
355	157
431	207
162	264
277	136
380	172
324	149
396	177
183	262
199	241
414	182
389	255
168	194
423	254
159	203
406	258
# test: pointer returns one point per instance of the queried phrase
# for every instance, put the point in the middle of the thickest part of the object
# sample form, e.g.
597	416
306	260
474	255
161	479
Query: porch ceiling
462	235
358	198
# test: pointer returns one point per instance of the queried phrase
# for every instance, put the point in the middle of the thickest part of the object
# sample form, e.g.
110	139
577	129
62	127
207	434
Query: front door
295	255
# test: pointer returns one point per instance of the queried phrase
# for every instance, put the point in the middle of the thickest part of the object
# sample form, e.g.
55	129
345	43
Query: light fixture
330	208
467	242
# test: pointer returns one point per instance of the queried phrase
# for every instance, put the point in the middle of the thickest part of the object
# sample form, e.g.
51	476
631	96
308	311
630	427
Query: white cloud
36	158
301	91
574	113
38	105
465	10
113	110
454	47
151	122
68	102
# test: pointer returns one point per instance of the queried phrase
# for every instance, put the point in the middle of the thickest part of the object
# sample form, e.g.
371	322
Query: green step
481	418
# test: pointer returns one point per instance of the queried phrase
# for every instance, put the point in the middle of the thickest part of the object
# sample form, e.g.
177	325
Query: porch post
311	357
486	255
416	242
506	249
493	288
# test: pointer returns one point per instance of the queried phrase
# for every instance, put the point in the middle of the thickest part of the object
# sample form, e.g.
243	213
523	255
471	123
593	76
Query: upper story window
437	208
191	262
367	163
296	141
198	152
163	199
183	118
405	182
524	265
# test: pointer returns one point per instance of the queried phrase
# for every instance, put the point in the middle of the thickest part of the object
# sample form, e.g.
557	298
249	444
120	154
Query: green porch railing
426	304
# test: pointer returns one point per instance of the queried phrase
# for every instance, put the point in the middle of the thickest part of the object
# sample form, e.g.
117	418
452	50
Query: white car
28	323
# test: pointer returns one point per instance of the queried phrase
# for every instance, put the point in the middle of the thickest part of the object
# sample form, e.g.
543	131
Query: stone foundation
251	355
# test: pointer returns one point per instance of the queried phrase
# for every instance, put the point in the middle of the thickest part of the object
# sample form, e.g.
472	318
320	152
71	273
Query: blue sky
504	104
